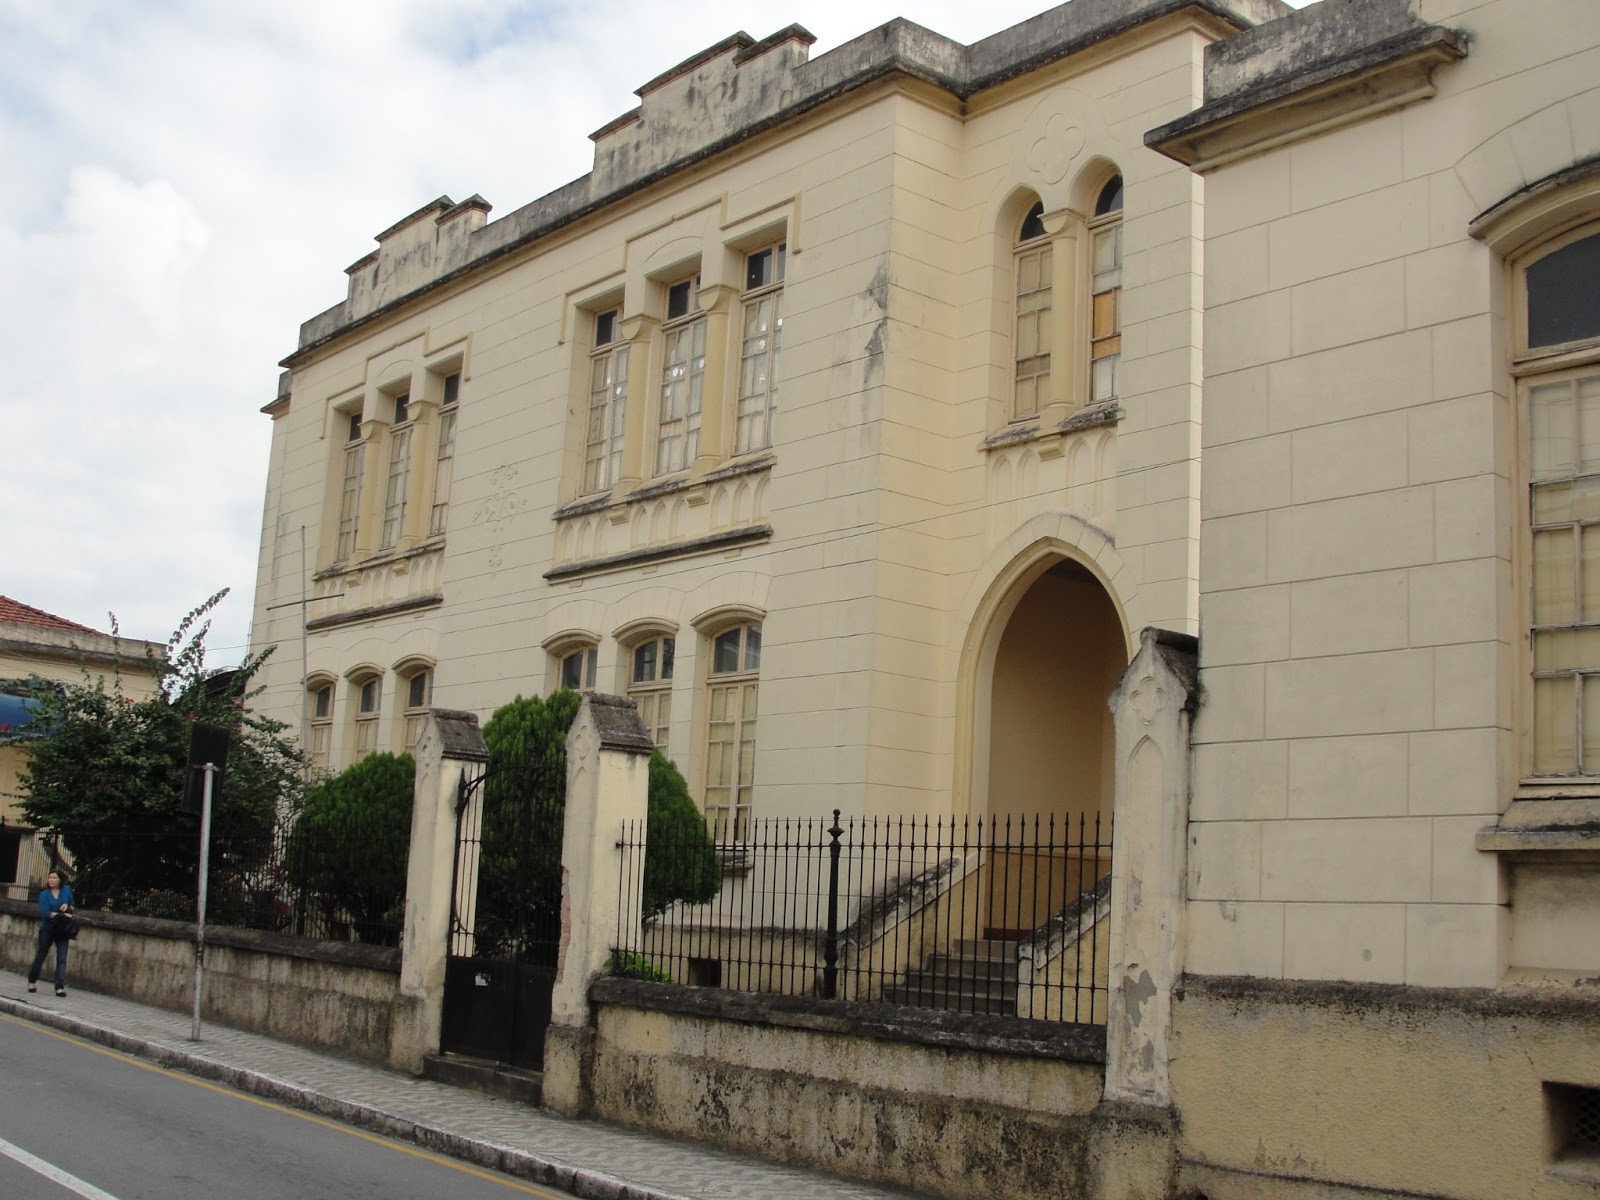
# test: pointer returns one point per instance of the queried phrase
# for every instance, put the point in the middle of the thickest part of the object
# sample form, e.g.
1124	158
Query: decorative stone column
608	780
451	748
1152	709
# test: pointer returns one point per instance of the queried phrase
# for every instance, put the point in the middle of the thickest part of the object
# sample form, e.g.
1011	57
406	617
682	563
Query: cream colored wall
891	519
1359	620
1419	1096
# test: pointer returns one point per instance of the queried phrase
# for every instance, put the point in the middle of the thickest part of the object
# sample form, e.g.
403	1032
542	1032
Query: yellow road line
376	1140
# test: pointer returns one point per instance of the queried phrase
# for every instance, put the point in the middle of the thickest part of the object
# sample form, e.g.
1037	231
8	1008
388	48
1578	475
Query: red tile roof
25	614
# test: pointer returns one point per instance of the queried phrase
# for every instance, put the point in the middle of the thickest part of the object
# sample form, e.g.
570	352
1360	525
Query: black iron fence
340	881
1001	915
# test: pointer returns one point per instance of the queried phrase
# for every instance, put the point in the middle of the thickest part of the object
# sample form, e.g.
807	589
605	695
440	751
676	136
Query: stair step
985	948
919	980
914	997
968	968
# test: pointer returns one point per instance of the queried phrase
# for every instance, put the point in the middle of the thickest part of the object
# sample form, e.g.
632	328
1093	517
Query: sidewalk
587	1158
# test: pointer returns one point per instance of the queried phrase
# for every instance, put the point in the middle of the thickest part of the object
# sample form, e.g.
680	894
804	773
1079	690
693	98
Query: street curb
521	1164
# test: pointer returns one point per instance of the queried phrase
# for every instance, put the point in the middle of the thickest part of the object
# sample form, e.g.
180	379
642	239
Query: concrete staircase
979	975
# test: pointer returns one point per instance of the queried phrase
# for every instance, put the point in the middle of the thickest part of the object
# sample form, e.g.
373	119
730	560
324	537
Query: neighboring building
848	414
37	645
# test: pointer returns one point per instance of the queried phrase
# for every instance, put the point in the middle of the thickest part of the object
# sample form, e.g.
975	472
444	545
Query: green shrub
625	964
352	841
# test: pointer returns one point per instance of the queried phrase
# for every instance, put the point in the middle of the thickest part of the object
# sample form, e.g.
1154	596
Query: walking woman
55	911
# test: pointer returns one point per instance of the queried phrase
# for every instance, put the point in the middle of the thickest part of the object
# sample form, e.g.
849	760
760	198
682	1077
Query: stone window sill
1107	412
382	558
1547	821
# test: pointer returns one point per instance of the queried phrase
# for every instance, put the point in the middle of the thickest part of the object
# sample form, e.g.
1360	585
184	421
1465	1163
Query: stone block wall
329	995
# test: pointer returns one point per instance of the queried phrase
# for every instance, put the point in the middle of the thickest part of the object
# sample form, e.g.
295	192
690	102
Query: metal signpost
210	770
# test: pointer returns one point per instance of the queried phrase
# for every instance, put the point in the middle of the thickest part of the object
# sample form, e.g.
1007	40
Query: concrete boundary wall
948	1104
329	995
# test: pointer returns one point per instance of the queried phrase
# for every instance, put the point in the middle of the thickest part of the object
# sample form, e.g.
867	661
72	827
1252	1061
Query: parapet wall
947	1104
328	995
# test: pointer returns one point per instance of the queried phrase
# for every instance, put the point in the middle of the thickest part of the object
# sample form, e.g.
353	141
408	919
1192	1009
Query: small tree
519	866
351	843
680	858
106	772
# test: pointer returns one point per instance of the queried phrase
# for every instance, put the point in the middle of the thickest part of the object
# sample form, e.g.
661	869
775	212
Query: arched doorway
1057	658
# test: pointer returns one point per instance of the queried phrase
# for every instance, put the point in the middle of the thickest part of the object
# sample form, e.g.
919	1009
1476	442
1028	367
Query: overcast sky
182	182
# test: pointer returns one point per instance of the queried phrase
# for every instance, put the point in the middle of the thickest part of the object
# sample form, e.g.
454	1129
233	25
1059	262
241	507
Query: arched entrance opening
1057	658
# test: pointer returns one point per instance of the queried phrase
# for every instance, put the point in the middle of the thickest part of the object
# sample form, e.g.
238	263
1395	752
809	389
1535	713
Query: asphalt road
78	1122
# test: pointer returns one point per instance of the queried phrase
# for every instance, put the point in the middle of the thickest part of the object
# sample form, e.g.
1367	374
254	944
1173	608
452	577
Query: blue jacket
49	905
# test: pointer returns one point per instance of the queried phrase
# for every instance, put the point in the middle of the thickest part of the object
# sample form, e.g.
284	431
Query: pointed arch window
1034	275
1105	317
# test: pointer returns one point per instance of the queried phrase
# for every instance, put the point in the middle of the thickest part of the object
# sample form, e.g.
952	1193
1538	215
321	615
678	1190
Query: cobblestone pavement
588	1158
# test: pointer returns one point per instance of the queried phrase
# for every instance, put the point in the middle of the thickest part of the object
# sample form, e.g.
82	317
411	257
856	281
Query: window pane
1591	725
1589	421
324	701
669	647
1555	725
1553	599
752	649
1563	299
572	670
1550	411
725	652
644	662
1567	650
1589	581
417	693
452	388
369	696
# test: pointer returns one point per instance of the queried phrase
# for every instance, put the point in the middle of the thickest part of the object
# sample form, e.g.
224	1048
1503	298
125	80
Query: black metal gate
505	917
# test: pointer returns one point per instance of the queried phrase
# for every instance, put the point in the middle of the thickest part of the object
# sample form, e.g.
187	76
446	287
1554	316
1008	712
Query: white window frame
366	716
1105	297
651	662
444	459
399	475
1032	306
683	367
350	489
761	340
1562	498
732	711
607	410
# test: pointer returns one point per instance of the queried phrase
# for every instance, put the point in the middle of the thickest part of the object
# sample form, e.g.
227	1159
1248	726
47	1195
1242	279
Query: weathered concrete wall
329	995
949	1104
1430	1092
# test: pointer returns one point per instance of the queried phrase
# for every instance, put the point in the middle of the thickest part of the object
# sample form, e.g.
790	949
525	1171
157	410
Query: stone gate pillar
451	746
608	781
1152	709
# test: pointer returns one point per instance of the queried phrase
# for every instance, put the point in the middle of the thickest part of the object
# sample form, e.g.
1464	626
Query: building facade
848	415
800	418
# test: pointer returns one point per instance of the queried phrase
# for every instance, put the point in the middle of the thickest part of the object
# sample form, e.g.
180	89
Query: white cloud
185	181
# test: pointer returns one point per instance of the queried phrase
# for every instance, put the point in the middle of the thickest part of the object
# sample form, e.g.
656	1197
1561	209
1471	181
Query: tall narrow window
419	694
350	492
450	405
369	696
732	686
1105	333
321	724
394	503
1031	345
608	399
758	353
650	685
578	668
682	375
1561	316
